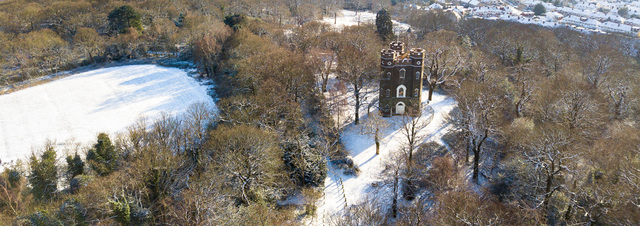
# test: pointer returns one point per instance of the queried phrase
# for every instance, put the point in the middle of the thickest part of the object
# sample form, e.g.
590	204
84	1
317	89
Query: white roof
435	6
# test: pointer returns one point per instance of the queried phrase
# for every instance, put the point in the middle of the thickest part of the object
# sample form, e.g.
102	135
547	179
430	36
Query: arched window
388	93
417	75
388	75
415	92
402	72
401	91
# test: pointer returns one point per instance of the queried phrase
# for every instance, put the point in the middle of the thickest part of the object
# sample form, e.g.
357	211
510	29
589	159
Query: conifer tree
103	157
124	17
384	25
75	166
44	175
539	9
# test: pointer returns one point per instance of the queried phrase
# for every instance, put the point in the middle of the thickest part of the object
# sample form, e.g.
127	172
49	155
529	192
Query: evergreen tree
384	25
103	157
539	9
623	12
44	175
124	17
75	166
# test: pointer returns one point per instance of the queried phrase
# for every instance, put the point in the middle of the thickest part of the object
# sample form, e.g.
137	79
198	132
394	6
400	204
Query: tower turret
398	47
386	57
417	57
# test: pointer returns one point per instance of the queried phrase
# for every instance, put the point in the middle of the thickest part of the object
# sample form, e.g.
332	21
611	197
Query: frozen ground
76	108
362	149
349	18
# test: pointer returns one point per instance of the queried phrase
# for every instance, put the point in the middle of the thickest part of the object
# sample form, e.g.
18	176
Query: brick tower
401	80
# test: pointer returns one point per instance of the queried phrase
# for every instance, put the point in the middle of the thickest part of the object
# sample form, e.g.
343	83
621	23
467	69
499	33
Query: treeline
43	37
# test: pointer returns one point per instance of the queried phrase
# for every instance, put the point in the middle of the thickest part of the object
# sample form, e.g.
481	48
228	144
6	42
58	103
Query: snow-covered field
349	18
76	108
362	149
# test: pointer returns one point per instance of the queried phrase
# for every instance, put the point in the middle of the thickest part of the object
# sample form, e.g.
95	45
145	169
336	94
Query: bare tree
321	61
548	154
599	64
413	130
443	59
477	117
620	92
357	62
374	126
249	159
392	173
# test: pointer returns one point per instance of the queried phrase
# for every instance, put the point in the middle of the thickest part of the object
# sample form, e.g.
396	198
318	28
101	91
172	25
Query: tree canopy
539	9
124	17
384	25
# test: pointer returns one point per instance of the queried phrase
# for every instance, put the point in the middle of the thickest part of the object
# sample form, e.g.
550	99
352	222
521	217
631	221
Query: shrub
306	166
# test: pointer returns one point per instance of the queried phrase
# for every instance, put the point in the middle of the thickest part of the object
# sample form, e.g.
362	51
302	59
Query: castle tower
401	80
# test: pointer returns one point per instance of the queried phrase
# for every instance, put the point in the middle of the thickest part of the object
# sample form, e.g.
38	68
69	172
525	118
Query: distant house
401	80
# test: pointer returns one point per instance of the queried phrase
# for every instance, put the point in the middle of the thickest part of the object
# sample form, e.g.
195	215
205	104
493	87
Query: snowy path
362	149
76	108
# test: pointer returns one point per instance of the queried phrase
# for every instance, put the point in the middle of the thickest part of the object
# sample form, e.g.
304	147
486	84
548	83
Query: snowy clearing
76	108
349	18
362	149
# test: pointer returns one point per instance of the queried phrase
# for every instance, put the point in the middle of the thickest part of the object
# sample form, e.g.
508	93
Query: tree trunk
476	163
377	138
431	88
324	84
357	115
547	190
394	205
91	57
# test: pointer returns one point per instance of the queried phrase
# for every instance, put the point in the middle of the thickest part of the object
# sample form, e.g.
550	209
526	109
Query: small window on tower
388	92
418	75
415	92
402	72
388	75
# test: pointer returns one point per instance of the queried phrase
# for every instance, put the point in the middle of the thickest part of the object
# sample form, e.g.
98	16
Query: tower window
388	93
417	75
388	75
415	92
401	91
402	72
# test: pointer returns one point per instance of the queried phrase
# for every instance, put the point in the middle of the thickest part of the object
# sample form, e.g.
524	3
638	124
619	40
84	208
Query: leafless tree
393	173
321	61
374	126
248	158
357	62
477	117
548	154
412	128
443	59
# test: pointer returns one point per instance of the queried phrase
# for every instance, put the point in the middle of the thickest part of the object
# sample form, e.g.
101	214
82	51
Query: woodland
546	128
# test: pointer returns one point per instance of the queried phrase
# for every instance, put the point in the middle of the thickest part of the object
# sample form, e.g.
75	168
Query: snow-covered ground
349	18
362	149
76	108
